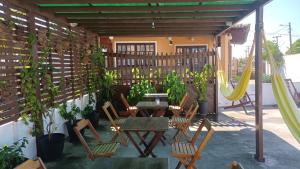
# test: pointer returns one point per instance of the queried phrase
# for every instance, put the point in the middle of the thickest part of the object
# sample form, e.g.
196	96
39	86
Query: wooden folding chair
116	122
176	110
188	153
32	164
182	124
101	149
236	165
131	110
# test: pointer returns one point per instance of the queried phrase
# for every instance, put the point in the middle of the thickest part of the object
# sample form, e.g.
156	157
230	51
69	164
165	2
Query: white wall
14	131
292	68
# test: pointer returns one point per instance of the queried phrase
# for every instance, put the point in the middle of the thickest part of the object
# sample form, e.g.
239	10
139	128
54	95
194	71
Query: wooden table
131	163
144	106
156	96
138	125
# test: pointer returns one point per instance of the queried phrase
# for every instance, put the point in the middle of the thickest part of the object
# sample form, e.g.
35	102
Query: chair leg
178	165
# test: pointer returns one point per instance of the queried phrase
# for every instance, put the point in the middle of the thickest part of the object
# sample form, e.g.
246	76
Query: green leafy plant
175	88
138	91
68	115
29	83
108	80
200	82
11	156
34	72
86	112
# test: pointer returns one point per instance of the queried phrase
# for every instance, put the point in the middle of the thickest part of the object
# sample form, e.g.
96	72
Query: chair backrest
183	100
84	123
210	131
292	89
32	164
125	102
109	109
192	111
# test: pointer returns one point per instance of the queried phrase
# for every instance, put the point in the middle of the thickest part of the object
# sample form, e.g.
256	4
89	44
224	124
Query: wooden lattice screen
67	48
131	68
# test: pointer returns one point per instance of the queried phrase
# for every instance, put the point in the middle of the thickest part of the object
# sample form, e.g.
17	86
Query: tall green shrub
175	88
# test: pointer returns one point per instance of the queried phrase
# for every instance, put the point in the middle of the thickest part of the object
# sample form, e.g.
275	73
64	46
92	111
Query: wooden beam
156	25
113	1
153	15
128	21
132	34
147	8
154	30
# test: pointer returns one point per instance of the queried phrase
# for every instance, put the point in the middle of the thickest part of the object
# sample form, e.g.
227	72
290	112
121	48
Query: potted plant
11	156
70	116
89	113
175	88
36	74
200	83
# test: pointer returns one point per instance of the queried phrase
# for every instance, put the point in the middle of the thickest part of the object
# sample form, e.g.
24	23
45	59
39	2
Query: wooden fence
67	47
131	68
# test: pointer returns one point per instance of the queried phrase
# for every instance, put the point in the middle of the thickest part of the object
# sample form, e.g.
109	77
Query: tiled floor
234	140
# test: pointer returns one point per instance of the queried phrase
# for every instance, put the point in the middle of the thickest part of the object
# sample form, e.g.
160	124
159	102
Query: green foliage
266	78
2	84
175	88
200	81
295	48
275	52
108	80
86	112
138	91
29	83
11	156
34	72
68	115
237	78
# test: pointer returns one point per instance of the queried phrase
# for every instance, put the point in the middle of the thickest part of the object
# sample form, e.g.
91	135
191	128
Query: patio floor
234	140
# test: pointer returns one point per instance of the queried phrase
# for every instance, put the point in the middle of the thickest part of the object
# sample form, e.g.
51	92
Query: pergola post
258	85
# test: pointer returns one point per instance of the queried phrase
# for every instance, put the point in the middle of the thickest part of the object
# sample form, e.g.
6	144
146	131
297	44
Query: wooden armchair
189	152
116	122
32	164
101	149
182	124
131	110
176	110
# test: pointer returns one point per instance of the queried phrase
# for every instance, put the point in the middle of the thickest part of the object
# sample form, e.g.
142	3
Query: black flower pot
203	108
94	118
50	148
72	135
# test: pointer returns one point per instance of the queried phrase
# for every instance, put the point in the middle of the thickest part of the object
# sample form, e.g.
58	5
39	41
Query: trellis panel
66	47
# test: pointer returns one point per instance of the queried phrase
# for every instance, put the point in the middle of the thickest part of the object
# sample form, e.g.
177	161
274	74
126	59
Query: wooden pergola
162	18
149	17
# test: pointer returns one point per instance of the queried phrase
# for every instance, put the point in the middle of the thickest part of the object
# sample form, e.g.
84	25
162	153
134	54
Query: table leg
143	141
153	142
161	139
135	144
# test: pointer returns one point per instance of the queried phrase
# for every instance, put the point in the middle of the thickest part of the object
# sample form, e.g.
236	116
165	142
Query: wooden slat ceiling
151	17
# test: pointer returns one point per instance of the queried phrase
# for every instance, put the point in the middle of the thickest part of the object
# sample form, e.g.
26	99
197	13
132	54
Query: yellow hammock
239	91
288	109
